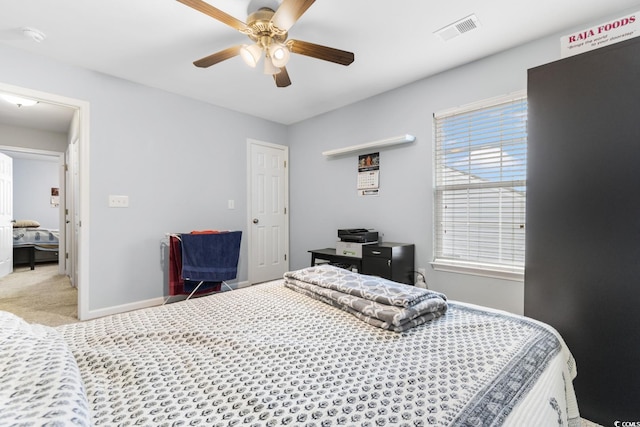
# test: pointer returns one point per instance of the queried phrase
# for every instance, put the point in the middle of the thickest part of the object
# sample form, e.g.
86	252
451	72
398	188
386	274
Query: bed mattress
43	237
267	355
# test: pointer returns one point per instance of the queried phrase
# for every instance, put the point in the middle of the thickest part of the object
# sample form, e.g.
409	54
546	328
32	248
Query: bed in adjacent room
33	244
274	355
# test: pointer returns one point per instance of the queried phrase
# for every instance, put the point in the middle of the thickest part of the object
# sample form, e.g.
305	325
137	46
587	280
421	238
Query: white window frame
451	262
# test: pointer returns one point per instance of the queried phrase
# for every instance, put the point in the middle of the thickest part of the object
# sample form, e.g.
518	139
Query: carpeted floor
39	296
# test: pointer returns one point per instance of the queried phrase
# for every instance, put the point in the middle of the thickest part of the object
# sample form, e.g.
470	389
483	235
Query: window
480	188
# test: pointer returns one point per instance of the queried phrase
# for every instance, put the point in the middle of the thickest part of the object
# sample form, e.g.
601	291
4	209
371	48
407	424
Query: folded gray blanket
377	301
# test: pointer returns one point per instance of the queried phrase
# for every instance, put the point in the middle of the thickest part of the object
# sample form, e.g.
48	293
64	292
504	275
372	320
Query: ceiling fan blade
289	12
215	13
213	59
325	53
282	78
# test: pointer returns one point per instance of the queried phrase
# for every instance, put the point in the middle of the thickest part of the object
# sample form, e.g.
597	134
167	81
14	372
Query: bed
32	244
269	355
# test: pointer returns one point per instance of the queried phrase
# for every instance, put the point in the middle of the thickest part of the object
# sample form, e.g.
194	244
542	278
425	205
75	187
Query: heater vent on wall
462	26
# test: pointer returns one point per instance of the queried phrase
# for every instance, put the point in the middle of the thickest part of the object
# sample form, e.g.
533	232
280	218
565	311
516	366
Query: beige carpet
39	296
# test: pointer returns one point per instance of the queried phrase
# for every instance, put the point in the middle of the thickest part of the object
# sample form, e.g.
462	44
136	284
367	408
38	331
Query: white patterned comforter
267	356
40	383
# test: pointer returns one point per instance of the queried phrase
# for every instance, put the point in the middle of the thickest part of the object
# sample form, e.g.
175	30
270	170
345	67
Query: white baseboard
124	308
108	311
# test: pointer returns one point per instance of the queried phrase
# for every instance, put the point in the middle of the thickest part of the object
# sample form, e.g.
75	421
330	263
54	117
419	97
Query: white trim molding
486	270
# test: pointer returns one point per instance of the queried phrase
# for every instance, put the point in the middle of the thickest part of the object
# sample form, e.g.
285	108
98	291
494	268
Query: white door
71	212
268	218
6	215
68	204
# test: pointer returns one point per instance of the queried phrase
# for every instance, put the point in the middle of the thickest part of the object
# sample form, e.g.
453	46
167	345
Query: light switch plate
118	201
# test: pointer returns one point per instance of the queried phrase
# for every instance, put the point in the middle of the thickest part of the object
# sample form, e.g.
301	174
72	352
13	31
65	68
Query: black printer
357	235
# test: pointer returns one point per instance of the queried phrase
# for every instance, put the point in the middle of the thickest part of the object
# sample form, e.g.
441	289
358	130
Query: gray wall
15	136
32	182
177	159
33	178
323	190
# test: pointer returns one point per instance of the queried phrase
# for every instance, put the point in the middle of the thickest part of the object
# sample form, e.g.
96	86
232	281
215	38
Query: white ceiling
154	42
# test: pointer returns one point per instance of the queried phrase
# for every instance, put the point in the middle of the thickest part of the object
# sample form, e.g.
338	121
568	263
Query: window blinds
480	184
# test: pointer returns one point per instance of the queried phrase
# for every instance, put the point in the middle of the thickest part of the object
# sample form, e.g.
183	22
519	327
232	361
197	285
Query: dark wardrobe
582	272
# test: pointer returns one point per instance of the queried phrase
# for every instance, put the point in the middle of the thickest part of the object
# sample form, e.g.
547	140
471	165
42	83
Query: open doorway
72	195
37	220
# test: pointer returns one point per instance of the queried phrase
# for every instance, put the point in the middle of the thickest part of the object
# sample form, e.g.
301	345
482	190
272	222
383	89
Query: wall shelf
402	139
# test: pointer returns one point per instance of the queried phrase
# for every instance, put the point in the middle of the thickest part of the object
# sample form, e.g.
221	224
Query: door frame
251	257
82	244
6	208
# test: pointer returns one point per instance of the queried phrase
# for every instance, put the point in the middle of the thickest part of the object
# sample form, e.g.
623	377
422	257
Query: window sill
476	269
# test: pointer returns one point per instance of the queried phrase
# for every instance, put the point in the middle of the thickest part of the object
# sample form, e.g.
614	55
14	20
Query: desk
329	254
393	261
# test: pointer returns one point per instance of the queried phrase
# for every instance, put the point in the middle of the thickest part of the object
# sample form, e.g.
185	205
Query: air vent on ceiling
462	26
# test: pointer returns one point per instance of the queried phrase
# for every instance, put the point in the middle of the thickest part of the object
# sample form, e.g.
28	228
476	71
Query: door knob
255	220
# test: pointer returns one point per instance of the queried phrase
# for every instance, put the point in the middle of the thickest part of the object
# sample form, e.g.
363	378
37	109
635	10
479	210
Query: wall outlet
421	278
118	201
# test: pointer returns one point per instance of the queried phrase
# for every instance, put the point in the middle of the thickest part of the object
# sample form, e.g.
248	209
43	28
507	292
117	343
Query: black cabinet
583	228
393	261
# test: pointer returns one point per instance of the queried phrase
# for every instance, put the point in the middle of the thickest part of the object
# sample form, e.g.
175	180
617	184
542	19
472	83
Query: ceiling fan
268	28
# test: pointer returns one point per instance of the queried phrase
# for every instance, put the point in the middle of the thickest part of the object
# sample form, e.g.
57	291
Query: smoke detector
464	25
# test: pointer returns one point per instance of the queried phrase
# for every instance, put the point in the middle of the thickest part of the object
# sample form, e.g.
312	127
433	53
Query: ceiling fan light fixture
269	67
251	54
268	27
279	54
